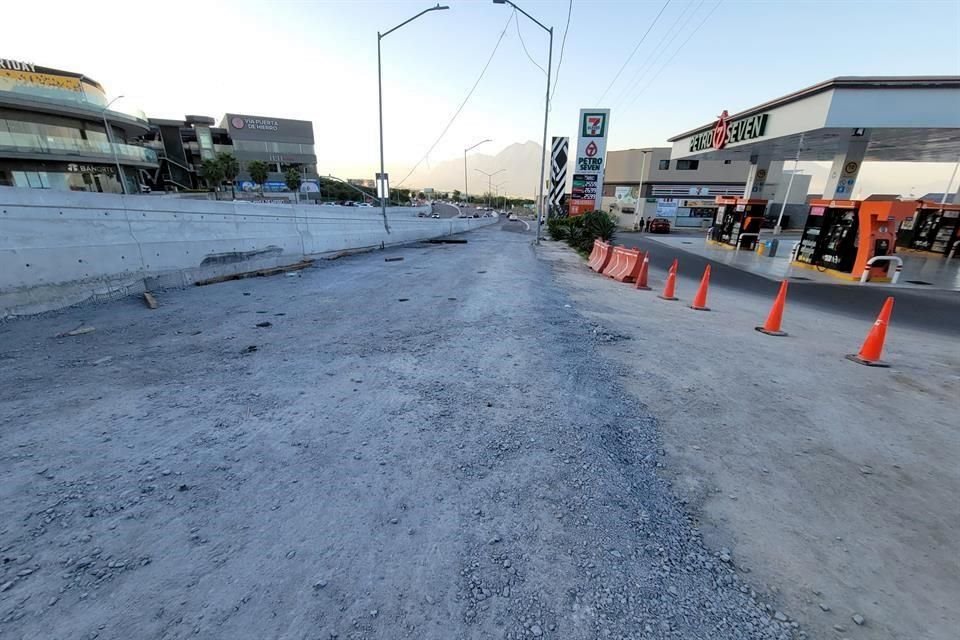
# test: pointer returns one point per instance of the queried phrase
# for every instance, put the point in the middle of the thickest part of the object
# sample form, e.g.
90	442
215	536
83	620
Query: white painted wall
59	248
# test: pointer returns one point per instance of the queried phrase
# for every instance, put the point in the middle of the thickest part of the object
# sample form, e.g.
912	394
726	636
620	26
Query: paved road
431	448
927	310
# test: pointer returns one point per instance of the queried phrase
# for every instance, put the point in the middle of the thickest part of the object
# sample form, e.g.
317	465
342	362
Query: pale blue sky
317	60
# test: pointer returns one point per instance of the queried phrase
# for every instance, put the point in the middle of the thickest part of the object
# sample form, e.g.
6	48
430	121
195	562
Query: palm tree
293	180
212	173
258	171
230	168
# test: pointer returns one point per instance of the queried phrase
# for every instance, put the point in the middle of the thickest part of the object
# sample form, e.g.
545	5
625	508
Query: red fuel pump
842	235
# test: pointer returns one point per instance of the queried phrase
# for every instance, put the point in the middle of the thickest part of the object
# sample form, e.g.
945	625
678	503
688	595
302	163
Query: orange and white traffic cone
642	277
772	326
700	300
873	345
670	286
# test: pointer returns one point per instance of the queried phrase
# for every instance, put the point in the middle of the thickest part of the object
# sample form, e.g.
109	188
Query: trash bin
770	248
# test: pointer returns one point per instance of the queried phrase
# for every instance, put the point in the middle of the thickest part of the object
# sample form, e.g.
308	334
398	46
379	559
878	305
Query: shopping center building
58	131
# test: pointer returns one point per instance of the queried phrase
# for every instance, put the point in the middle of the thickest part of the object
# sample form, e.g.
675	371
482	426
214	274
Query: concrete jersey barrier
60	248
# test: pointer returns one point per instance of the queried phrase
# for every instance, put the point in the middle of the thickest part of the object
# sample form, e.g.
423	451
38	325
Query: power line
462	104
668	39
678	50
523	44
630	57
563	43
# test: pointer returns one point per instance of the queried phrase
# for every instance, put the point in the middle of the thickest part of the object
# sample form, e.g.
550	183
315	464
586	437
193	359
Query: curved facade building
58	131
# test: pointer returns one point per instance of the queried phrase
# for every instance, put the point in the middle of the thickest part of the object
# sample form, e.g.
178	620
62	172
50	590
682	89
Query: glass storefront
61	176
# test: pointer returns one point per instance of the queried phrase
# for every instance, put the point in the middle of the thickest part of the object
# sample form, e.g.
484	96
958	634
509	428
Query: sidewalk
920	271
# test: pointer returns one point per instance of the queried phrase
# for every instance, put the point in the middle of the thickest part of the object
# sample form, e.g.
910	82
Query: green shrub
558	228
594	225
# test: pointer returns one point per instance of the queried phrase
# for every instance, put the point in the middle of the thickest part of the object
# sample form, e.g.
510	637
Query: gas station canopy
905	119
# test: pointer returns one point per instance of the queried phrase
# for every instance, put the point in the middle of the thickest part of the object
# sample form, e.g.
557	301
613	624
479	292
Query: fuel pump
843	235
736	217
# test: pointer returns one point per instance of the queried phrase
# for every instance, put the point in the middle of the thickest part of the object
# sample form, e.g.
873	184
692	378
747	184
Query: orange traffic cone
772	326
873	345
642	277
700	300
669	287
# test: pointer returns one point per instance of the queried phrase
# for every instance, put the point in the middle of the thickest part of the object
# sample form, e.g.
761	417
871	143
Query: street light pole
382	182
783	205
113	147
489	181
466	192
546	109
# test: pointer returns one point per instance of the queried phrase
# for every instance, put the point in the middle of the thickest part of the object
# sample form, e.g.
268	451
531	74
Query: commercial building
281	143
684	191
183	145
58	131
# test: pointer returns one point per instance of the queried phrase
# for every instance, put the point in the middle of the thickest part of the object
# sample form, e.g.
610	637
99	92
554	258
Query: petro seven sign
587	188
726	132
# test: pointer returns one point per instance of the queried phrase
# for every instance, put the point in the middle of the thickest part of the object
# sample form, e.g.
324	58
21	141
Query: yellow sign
10	80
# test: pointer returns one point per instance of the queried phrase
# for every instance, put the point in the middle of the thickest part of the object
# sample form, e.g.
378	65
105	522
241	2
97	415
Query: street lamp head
499	1
440	7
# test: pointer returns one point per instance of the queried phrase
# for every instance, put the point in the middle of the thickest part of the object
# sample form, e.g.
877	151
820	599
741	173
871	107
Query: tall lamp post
489	181
546	109
466	192
497	187
382	183
113	147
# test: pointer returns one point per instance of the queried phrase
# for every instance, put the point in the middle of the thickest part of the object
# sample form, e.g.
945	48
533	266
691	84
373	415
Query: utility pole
382	182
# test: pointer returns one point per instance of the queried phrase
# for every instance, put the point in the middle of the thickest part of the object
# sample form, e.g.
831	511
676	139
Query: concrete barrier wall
59	248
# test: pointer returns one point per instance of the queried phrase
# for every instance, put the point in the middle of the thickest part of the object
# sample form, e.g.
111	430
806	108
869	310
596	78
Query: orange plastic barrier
618	258
599	262
627	266
594	252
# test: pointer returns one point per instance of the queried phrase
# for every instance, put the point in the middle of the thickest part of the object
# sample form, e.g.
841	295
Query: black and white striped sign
558	171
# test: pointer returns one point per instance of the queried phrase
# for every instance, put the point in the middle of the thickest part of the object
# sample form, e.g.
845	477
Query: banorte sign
725	132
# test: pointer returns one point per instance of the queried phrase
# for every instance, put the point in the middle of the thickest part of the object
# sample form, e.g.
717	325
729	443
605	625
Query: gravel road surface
425	448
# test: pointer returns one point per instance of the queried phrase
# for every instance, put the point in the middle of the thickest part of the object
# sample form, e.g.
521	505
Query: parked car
364	204
659	225
513	217
435	215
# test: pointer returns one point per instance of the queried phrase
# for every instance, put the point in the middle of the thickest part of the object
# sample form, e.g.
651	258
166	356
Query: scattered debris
293	274
858	619
250	349
150	300
103	360
265	323
259	273
394	259
79	331
447	241
403	299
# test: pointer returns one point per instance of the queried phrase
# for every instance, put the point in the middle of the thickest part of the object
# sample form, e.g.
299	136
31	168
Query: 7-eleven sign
587	193
594	125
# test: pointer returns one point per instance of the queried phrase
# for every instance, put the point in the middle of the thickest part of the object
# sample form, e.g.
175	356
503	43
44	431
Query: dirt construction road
428	448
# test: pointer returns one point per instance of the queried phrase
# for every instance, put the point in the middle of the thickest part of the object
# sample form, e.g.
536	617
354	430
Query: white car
513	217
365	204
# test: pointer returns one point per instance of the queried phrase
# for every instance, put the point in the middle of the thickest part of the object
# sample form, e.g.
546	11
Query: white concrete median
60	248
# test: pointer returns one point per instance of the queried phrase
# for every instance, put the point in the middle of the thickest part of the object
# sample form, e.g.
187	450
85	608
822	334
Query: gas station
845	121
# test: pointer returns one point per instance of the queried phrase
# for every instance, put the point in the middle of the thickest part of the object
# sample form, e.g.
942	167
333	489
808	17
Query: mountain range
521	172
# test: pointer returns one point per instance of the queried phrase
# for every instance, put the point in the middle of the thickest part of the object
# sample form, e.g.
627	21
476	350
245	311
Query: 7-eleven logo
594	125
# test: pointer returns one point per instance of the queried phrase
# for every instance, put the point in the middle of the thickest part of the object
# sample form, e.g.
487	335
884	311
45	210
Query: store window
688	165
664	165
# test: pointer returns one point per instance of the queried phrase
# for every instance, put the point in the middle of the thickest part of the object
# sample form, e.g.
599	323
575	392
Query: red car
659	225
